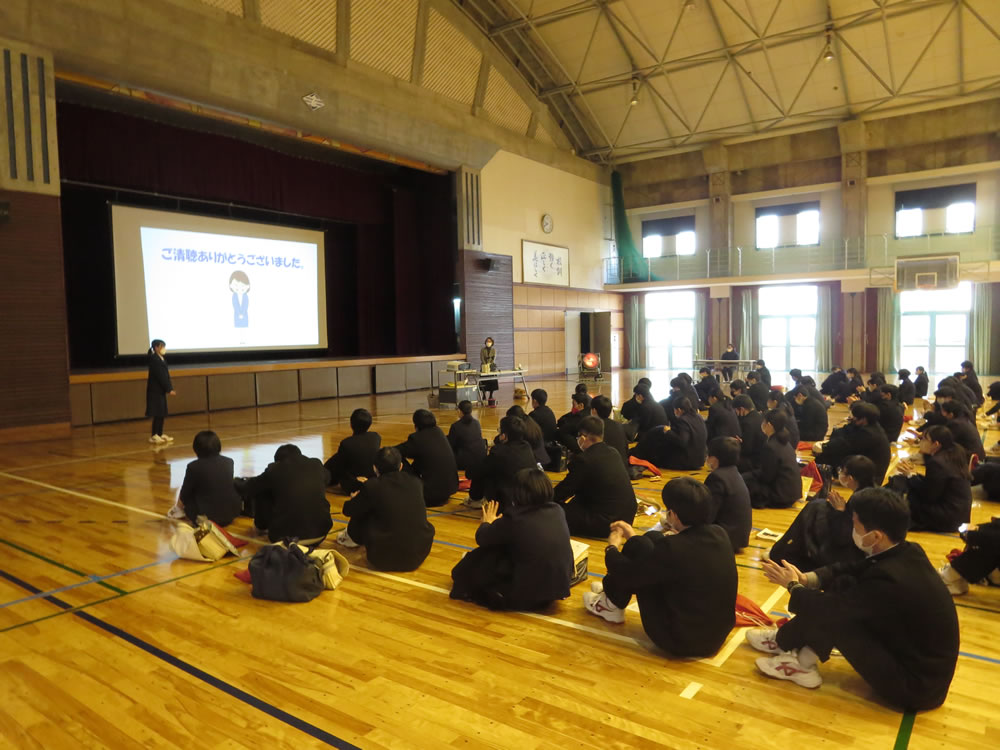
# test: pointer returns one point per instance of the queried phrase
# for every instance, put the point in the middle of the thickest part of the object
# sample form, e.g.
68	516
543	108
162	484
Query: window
950	209
933	328
788	327
668	237
670	318
909	222
960	217
788	225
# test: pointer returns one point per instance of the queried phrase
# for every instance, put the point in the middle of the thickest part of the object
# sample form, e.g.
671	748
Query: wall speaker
488	264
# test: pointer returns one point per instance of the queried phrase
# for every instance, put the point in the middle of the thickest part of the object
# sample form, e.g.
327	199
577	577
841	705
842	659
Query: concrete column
853	192
719	210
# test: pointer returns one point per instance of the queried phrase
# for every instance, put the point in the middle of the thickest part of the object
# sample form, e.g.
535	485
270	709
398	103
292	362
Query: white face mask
859	543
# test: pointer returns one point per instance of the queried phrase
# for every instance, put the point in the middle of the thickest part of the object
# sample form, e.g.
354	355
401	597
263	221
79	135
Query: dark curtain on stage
389	246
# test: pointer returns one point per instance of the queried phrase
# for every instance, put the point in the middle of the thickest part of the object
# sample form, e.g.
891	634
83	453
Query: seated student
581	390
389	517
465	437
752	437
890	411
524	560
757	391
971	381
650	413
988	475
681	445
597	487
737	388
614	432
730	355
532	434
871	394
907	391
208	488
568	426
289	498
706	386
851	387
543	415
802	383
776	400
730	497
492	479
979	560
777	482
833	381
934	416
685	582
812	420
963	428
889	615
630	411
920	383
821	532
431	459
680	387
356	454
861	436
722	420
963	393
763	374
941	500
993	393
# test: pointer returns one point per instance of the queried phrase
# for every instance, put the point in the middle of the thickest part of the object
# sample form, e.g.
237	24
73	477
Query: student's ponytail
779	421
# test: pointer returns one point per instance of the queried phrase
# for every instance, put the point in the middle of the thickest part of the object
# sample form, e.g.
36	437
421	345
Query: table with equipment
459	385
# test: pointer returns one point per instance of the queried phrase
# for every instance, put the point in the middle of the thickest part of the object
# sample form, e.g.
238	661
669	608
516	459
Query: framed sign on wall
544	264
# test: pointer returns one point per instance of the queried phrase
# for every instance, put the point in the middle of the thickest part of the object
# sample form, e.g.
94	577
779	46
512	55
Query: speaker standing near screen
487	360
158	387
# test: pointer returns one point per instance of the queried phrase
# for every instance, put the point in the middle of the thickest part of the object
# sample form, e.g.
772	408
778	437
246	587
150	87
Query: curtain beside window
824	328
887	339
979	326
746	301
635	330
700	323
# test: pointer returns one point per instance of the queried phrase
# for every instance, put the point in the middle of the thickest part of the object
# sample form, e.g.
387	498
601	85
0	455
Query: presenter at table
487	363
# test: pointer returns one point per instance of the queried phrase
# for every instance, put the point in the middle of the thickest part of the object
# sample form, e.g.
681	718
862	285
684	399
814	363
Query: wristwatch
791	585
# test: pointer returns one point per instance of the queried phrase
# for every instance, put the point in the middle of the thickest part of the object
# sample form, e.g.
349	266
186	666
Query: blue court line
293	721
990	659
90	579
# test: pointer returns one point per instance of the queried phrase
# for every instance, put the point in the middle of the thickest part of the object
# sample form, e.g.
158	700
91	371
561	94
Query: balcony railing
873	251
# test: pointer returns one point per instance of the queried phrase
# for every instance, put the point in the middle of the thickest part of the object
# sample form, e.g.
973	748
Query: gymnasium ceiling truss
632	79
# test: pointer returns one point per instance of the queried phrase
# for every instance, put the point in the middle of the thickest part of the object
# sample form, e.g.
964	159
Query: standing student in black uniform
889	615
158	387
722	420
389	517
465	437
524	559
431	459
777	483
812	420
493	479
920	383
355	455
208	488
907	392
730	497
685	583
751	436
597	488
729	355
941	500
614	432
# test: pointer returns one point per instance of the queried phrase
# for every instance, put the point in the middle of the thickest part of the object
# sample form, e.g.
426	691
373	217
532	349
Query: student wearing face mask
890	614
598	484
684	581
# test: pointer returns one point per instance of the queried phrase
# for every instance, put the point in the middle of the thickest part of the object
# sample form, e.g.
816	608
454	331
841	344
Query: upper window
950	209
788	225
668	237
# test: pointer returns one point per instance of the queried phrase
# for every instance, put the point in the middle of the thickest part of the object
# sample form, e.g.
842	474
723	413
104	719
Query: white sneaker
785	666
156	440
598	604
472	503
764	639
344	540
166	438
953	580
597	587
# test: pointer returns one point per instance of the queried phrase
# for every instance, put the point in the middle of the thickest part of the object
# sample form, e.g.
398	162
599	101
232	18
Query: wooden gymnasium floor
107	641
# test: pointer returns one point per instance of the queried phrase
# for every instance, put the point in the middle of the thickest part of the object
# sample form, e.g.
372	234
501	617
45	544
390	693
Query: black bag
558	457
283	573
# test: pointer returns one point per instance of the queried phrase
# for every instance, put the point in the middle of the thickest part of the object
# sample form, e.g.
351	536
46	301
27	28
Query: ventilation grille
312	21
28	153
470	211
503	105
451	61
230	6
382	34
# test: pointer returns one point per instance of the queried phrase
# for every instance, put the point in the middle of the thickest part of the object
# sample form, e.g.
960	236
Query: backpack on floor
558	457
285	573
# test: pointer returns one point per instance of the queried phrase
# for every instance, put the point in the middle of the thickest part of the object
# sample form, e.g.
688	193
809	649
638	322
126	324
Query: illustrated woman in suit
239	285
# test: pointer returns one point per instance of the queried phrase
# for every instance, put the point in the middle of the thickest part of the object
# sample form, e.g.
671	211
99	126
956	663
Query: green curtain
887	337
824	329
635	330
629	257
979	327
749	320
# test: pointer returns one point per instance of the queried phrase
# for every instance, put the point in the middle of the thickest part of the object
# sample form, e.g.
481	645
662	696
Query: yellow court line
691	690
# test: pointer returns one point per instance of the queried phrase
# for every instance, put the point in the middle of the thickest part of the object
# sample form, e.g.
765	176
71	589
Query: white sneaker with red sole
785	666
764	639
598	604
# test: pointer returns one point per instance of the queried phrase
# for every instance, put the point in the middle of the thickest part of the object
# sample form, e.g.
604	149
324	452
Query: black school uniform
758	393
651	415
546	420
731	505
722	421
466	440
289	499
389	517
920	384
967	435
813	422
890	417
855	440
685	585
764	376
599	492
941	500
707	386
158	385
568	429
432	460
494	477
777	483
831	385
907	391
681	447
753	438
614	435
355	457
208	490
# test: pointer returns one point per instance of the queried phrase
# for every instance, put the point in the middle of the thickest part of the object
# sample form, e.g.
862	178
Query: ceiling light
689	5
828	50
635	92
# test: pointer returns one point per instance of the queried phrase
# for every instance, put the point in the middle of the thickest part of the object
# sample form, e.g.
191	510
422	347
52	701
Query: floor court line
58	564
739	635
251	700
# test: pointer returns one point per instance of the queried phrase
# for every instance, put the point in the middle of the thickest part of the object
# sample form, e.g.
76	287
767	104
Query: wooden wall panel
79	405
390	378
33	369
355	381
487	305
192	395
231	391
318	383
117	402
